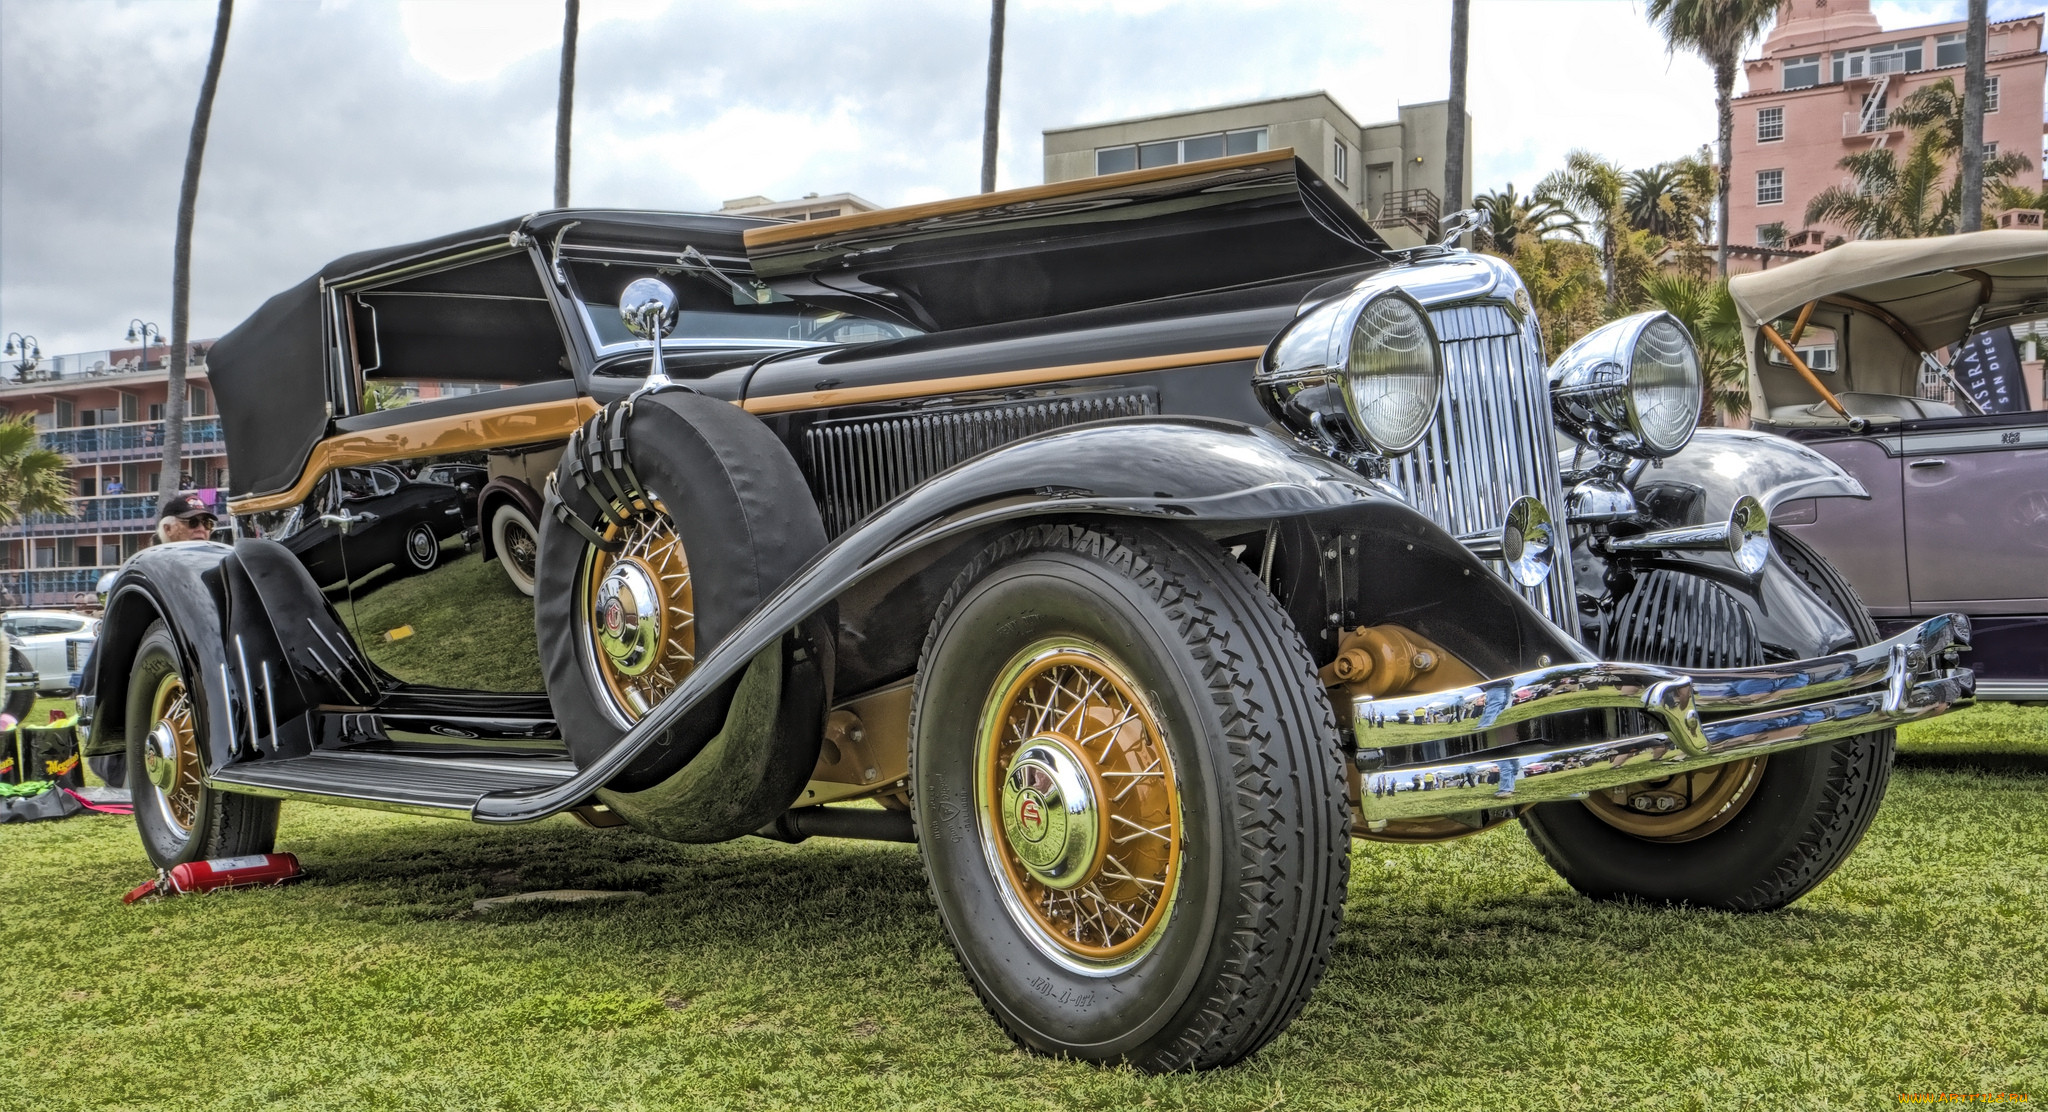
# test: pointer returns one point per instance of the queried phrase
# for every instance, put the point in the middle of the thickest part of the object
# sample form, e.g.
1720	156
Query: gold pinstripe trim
995	380
544	422
533	423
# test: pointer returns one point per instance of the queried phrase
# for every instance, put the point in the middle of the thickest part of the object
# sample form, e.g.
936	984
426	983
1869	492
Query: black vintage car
1130	544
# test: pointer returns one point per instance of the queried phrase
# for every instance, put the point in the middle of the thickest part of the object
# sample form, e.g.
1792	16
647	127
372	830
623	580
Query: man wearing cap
185	518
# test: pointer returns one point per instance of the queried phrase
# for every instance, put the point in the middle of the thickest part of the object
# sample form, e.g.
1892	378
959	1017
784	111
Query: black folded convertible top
1089	243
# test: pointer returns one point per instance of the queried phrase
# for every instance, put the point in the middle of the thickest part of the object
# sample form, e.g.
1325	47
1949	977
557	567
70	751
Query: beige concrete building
810	206
1393	171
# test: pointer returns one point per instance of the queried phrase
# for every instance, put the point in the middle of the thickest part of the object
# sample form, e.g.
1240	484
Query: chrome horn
1745	536
648	307
1526	543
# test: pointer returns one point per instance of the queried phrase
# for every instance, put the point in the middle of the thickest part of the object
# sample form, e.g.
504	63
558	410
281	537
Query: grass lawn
757	975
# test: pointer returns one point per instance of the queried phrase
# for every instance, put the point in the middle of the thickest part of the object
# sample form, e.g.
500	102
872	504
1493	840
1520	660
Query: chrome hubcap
160	756
628	617
1050	816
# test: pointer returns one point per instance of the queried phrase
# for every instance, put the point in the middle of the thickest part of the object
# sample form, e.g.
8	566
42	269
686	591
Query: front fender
1701	484
1196	471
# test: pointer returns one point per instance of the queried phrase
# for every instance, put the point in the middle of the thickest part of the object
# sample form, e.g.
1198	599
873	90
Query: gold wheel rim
651	556
1068	702
1679	808
171	753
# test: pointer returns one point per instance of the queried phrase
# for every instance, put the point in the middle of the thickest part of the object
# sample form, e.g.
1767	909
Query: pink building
1824	87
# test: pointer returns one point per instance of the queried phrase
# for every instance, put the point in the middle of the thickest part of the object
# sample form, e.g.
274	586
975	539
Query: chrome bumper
1708	718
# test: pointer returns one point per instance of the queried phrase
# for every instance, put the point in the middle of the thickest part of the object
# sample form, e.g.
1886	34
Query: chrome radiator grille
1492	442
859	464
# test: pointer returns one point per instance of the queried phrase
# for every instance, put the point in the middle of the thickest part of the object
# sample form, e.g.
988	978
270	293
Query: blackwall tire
516	540
1805	810
742	521
179	818
1165	623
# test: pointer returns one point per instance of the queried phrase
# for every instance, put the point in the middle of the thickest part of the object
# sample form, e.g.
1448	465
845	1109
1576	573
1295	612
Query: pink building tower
1824	88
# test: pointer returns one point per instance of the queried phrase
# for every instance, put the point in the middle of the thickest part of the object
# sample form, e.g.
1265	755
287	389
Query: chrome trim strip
2013	690
1568	773
227	687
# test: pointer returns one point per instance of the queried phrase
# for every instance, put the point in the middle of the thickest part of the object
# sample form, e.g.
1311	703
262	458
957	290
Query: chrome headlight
1633	386
1360	373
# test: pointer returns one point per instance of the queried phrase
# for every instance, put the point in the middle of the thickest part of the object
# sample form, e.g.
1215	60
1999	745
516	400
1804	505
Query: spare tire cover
747	523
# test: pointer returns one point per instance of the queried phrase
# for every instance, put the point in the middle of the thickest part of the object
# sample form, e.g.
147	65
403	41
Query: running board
443	787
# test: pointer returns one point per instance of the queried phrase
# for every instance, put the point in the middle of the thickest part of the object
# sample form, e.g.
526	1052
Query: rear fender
1223	477
251	629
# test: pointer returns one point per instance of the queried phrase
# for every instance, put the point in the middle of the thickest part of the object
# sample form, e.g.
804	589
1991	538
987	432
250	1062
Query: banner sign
1988	366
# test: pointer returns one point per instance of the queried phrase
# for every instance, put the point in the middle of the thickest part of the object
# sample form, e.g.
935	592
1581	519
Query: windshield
713	307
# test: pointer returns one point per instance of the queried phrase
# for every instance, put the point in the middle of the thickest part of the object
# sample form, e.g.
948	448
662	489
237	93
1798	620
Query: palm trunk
181	265
1972	154
1724	104
992	108
1454	129
565	103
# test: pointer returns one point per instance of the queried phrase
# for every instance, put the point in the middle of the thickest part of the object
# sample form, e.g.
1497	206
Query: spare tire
723	518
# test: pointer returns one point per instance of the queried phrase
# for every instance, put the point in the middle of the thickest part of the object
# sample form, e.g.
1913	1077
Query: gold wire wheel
170	753
638	614
1679	808
1079	809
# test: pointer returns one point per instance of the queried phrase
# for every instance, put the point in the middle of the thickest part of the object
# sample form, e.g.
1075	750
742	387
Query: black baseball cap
187	507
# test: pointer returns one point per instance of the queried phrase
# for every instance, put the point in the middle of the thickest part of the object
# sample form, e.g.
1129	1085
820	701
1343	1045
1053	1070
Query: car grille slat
857	465
1491	442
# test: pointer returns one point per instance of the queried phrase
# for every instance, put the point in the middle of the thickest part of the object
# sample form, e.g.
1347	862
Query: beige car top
1887	301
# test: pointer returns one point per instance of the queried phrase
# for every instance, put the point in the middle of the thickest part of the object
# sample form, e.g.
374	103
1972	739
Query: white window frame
1770	124
1764	238
1180	146
1818	63
1991	94
1958	38
1340	163
1777	183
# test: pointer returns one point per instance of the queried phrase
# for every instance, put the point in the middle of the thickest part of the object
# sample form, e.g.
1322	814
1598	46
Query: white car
56	643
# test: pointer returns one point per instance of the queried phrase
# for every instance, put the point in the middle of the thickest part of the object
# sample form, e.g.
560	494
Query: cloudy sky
346	124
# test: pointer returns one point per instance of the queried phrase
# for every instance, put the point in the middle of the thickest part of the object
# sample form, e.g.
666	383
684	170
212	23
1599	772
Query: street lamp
30	352
138	330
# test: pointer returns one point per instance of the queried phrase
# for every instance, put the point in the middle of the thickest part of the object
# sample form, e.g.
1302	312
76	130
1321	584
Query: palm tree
1717	31
1564	281
1895	199
565	101
1454	131
1511	217
1654	201
1972	154
181	263
2009	196
1702	304
1596	190
992	107
33	479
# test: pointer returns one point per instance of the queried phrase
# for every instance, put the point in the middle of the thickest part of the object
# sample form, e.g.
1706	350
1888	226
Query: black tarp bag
52	802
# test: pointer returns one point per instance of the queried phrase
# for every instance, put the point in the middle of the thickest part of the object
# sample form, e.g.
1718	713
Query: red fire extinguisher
221	872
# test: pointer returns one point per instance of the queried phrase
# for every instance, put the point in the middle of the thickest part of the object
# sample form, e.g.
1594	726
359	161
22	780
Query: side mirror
648	307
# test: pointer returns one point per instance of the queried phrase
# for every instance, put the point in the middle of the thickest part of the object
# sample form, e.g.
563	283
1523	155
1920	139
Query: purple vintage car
1897	360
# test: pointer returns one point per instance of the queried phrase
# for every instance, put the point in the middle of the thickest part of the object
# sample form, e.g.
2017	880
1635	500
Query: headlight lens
1358	374
1664	386
1392	376
1633	386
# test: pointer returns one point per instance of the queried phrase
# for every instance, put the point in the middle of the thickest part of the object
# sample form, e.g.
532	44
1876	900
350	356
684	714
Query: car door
1976	506
1863	538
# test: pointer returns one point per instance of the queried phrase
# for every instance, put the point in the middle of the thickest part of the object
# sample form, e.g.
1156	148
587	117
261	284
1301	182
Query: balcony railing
48	586
133	440
104	513
1416	209
95	365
